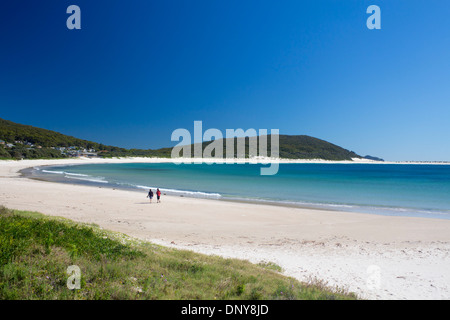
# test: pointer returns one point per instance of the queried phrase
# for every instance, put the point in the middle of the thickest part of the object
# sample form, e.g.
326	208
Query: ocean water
389	189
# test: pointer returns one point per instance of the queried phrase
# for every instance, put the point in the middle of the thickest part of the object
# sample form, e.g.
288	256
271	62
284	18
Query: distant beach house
87	154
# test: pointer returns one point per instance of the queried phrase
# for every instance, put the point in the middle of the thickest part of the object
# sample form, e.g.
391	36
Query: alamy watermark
74	279
214	151
374	20
73	22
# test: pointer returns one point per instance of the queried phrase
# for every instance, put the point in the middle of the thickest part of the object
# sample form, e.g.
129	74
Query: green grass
36	250
270	266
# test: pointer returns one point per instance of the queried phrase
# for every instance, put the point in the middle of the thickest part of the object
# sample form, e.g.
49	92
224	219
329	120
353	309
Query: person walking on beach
150	195
158	195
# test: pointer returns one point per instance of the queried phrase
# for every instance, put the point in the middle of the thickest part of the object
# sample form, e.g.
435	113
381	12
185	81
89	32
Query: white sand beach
377	257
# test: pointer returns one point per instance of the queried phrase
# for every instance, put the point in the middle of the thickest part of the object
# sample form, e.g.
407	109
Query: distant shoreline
221	161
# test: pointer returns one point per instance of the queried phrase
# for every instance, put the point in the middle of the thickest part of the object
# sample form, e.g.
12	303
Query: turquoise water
388	189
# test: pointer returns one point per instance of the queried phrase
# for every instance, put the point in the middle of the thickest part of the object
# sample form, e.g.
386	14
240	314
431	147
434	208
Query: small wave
87	178
51	171
65	173
141	187
193	194
76	174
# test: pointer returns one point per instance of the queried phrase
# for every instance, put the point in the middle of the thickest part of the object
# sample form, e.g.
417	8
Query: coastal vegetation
18	141
36	251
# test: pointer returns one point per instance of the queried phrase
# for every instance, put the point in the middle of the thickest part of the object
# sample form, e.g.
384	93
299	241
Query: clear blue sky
137	70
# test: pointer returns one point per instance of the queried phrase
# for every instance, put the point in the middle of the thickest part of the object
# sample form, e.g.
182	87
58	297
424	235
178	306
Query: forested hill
293	147
11	132
24	141
306	147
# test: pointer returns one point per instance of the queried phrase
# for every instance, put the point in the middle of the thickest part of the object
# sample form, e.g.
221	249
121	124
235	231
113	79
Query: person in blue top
150	195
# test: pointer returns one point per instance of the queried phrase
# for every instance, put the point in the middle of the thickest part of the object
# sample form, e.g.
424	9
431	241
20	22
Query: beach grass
36	251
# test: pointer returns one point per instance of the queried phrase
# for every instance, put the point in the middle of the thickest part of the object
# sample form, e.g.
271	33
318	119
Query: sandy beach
377	257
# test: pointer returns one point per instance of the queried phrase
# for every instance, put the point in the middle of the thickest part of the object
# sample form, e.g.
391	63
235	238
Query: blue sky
137	70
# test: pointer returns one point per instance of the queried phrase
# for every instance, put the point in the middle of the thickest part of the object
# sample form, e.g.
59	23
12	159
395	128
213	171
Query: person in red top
158	195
